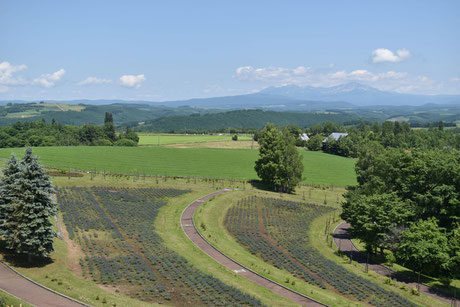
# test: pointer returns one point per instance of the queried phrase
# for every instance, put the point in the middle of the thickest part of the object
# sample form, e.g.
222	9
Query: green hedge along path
192	233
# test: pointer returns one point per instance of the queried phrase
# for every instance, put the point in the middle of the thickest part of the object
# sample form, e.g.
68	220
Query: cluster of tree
238	121
279	165
41	133
408	202
388	134
26	207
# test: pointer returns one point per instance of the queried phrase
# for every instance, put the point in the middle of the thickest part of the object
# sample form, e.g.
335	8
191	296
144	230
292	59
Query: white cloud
7	77
386	55
389	80
94	80
49	80
271	73
454	79
132	80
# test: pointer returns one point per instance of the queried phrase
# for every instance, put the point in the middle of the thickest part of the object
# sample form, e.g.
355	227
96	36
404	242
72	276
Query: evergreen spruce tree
7	197
109	127
29	227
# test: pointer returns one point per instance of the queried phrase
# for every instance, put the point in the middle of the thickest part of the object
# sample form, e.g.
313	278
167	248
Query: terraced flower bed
277	231
115	229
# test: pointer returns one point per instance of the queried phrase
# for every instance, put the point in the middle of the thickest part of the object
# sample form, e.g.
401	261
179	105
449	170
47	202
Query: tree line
387	134
244	121
41	133
408	202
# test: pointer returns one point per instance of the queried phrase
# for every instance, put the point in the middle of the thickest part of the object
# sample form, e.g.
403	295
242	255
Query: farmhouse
304	137
335	136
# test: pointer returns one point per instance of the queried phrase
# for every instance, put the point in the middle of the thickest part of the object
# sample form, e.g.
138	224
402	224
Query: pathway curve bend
342	239
31	292
192	233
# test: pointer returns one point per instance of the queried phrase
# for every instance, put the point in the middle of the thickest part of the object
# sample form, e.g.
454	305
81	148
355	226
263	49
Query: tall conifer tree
29	226
10	175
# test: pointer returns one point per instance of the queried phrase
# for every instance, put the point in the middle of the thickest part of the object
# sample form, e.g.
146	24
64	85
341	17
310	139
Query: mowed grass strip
319	168
166	139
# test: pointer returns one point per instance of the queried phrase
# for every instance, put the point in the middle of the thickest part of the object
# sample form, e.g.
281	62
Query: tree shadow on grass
258	184
22	260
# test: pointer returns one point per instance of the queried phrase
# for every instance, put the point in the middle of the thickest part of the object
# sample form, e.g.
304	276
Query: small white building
304	137
335	136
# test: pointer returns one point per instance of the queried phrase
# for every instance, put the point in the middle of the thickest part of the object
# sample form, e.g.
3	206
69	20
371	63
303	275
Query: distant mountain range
298	98
357	94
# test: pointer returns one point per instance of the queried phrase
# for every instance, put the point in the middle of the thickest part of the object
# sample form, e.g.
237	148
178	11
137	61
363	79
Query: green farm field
167	139
319	168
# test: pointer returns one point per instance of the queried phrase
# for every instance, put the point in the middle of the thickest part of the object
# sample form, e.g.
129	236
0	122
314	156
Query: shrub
125	142
390	259
235	137
103	142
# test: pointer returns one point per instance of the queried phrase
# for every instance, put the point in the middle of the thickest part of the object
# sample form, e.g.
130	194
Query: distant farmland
166	139
319	168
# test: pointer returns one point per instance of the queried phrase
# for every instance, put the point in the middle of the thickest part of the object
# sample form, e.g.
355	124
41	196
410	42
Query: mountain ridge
292	97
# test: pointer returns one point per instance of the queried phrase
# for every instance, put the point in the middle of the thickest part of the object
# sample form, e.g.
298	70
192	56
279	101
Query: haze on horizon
145	50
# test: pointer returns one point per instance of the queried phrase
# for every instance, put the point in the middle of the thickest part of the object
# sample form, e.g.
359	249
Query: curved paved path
345	245
30	292
193	234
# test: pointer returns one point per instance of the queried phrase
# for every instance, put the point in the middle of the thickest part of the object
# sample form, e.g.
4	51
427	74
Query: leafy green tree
372	217
280	164
315	142
424	246
454	260
88	134
108	118
29	227
441	125
128	134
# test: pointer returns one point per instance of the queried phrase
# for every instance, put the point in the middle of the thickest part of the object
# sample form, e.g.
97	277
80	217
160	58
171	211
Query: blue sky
168	50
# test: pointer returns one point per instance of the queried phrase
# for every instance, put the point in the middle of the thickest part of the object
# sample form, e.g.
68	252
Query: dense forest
82	114
41	133
240	120
408	202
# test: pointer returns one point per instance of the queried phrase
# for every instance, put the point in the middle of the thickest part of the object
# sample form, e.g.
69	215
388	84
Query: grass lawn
7	299
212	214
59	276
168	227
319	168
165	139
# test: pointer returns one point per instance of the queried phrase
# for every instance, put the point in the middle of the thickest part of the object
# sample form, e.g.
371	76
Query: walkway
30	292
193	234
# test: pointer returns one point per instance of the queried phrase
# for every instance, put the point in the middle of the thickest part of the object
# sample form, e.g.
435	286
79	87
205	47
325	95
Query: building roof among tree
335	136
